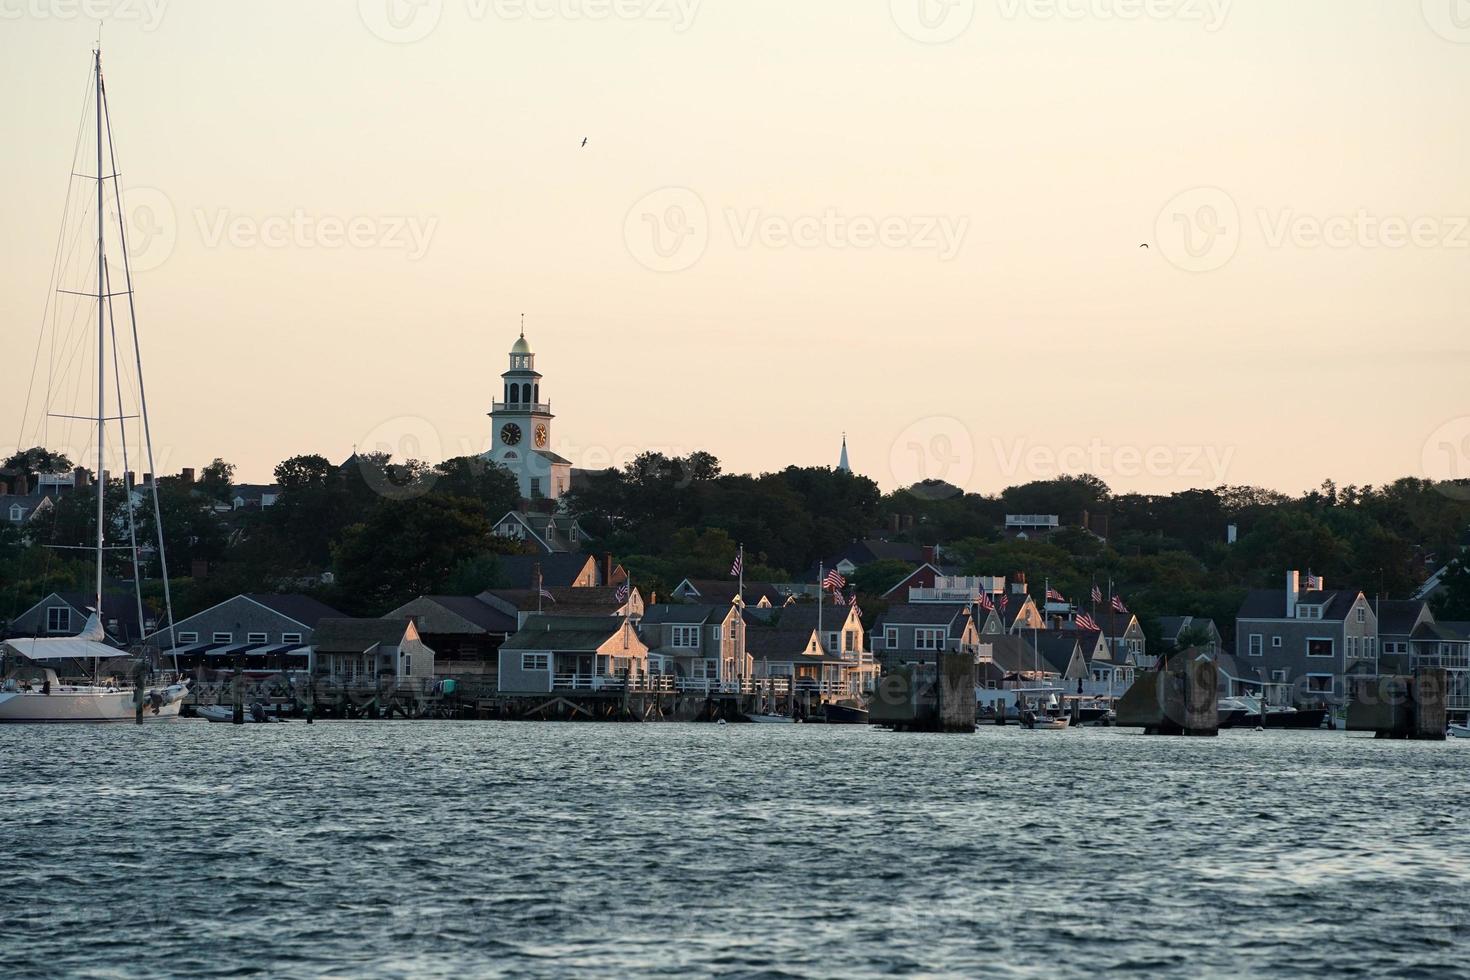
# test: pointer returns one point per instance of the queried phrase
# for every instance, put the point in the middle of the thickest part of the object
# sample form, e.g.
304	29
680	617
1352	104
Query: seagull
584	141
1144	245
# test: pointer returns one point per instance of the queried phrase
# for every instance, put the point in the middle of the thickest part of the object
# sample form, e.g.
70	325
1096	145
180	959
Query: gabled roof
564	602
783	645
565	633
665	614
455	614
302	609
557	570
357	635
1449	632
724	590
1397	617
1114	624
803	615
1271	603
921	614
1015	655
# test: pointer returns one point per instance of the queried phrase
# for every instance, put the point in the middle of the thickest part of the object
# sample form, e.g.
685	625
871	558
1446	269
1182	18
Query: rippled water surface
427	849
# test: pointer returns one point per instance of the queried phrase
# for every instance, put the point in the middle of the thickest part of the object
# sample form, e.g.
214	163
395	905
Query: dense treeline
388	531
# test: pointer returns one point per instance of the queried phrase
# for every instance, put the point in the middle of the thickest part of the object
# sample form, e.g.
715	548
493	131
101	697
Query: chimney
607	568
1018	583
147	479
929	553
80	479
128	479
22	485
1293	589
186	475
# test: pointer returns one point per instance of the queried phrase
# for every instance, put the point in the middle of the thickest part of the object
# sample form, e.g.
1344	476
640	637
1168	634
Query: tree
408	548
31	463
490	485
217	480
1452	603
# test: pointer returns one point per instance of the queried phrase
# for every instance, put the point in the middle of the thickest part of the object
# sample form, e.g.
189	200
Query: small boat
1459	731
771	719
846	713
1053	723
224	714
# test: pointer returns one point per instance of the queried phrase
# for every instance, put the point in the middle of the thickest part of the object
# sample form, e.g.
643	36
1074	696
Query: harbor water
483	849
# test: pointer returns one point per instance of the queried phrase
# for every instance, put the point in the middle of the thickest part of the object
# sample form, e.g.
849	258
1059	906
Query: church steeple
842	465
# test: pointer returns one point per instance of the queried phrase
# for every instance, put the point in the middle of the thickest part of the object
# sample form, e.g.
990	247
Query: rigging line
122	441
55	260
56	338
168	599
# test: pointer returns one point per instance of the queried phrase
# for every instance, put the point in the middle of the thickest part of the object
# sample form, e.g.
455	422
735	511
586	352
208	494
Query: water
426	849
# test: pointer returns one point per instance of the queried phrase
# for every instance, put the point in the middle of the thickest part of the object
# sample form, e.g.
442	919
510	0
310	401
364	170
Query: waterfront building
1175	628
270	631
520	424
1125	638
1446	645
796	654
369	651
1305	637
914	633
465	633
560	652
704	642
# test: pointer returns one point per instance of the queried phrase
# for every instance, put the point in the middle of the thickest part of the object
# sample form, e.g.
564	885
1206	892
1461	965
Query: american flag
1086	622
837	598
546	594
1118	606
1052	595
621	595
1096	593
1314	582
739	565
852	598
834	581
1005	601
986	603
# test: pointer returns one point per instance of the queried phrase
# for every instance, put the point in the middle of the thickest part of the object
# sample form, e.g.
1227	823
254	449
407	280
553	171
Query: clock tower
520	437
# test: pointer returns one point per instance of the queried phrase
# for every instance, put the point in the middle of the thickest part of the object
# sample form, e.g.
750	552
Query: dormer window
1309	612
17	513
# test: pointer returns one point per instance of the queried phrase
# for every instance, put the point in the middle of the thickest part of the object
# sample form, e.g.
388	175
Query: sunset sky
913	221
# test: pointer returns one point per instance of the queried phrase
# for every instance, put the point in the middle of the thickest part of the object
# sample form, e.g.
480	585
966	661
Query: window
1256	648
1309	612
408	663
1362	614
733	635
572	533
928	639
534	662
1318	646
1319	683
1352	647
222	638
714	633
686	637
1276	642
290	637
188	637
535	487
849	640
1278	677
890	637
58	619
256	639
17	513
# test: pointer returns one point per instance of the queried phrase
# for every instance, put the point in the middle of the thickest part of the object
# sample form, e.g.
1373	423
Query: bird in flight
584	141
1144	245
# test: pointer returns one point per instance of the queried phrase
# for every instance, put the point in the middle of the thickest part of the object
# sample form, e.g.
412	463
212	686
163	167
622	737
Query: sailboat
34	693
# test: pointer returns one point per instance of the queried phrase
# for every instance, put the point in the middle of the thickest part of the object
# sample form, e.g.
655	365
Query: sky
918	222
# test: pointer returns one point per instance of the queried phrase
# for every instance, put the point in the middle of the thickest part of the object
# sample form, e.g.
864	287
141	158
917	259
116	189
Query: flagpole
538	588
821	599
740	589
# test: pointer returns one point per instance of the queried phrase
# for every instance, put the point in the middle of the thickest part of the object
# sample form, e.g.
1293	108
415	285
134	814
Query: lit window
1319	647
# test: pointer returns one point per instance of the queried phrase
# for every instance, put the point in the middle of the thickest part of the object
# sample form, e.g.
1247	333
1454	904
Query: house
723	592
465	633
1124	636
913	633
1020	661
925	576
942	586
1026	526
19	510
697	641
272	632
865	552
547	534
558	652
1234	680
598	601
1173	628
65	613
563	570
797	654
1305	639
1013	612
1447	645
253	496
1397	621
371	651
840	630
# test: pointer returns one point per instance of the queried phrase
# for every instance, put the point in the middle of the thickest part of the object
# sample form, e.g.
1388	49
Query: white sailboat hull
86	705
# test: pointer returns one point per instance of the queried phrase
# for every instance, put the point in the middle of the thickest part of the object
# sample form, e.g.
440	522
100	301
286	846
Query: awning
227	651
63	648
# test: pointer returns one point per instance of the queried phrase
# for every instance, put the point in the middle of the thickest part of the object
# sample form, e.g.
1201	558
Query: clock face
541	435
510	434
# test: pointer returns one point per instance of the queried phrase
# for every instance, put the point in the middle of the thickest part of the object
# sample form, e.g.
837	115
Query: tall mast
101	334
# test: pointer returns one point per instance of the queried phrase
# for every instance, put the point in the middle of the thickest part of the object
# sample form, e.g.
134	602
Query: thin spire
842	463
523	326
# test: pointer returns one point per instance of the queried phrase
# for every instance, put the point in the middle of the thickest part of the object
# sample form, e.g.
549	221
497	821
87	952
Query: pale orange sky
920	226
